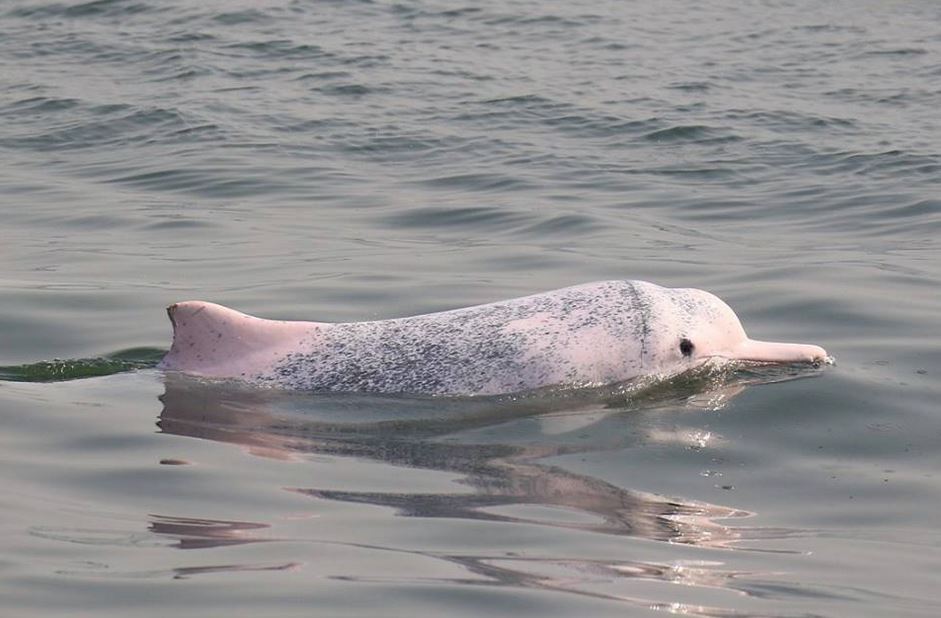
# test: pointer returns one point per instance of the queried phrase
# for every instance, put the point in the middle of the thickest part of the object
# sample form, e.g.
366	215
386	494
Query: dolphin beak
772	352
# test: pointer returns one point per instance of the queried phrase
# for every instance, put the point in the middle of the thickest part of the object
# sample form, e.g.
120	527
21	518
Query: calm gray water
340	161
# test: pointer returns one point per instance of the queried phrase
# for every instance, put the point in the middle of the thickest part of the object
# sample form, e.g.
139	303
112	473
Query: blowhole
686	347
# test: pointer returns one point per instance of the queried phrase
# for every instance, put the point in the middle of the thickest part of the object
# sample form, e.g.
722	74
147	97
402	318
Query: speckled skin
587	335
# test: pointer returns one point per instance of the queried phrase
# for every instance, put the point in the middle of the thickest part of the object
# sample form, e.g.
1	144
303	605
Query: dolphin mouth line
817	362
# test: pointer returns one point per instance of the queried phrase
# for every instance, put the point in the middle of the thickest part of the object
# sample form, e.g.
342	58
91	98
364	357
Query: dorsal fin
215	341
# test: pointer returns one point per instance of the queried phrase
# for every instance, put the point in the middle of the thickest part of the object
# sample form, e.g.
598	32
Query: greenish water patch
61	370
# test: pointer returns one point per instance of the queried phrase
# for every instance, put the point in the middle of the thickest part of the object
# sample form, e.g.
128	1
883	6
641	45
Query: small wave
562	225
891	163
62	370
40	105
514	113
694	173
692	86
347	90
247	16
204	181
461	218
95	8
901	51
786	121
280	49
884	215
530	21
477	182
690	133
323	75
100	125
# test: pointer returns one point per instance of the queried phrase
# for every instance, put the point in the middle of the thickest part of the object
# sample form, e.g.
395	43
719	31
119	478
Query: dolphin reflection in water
499	448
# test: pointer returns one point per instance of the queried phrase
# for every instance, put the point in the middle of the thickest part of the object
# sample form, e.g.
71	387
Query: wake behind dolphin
581	336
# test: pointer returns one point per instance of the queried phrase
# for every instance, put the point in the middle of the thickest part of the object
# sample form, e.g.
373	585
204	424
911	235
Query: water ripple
351	160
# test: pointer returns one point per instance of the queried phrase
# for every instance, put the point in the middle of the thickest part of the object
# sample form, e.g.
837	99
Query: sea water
341	161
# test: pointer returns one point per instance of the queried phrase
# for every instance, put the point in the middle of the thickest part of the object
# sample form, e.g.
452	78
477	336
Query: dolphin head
694	326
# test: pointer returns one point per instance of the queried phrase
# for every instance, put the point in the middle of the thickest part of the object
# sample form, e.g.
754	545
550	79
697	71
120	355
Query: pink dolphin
586	335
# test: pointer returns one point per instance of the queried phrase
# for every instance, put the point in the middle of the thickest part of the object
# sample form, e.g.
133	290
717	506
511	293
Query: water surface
347	161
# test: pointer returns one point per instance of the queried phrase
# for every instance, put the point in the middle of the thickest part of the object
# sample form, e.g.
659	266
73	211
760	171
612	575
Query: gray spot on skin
589	334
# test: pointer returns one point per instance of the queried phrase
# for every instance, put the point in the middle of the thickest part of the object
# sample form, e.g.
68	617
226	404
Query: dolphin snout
773	352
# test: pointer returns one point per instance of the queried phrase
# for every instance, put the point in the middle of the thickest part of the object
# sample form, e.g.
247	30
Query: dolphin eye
686	347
